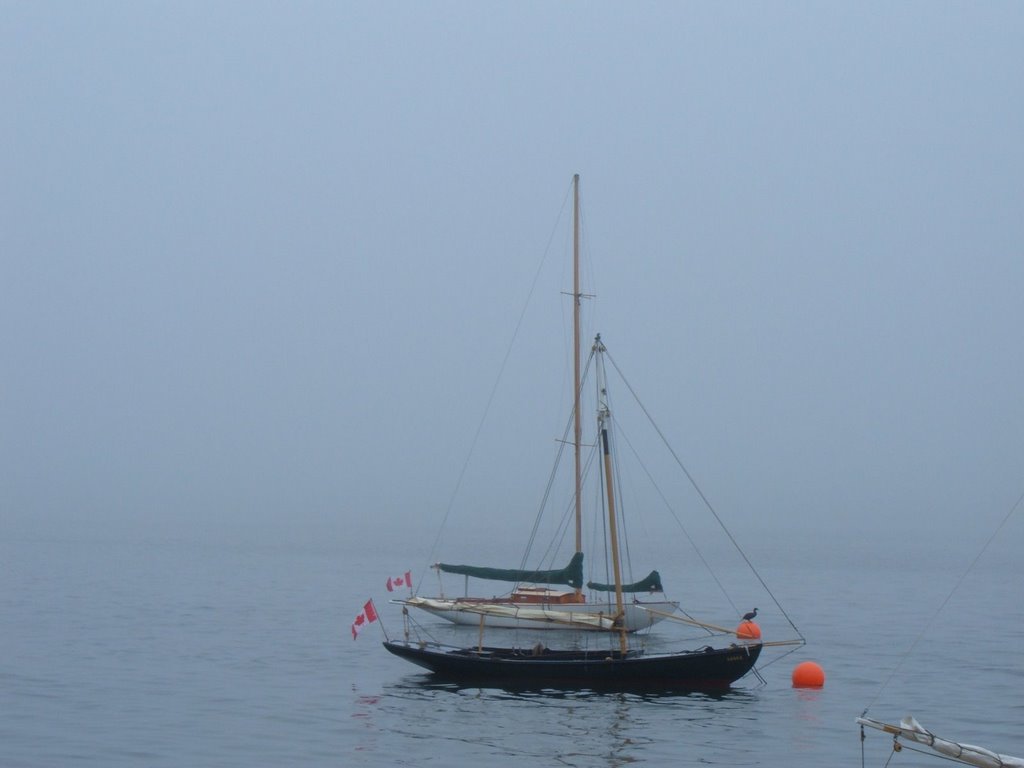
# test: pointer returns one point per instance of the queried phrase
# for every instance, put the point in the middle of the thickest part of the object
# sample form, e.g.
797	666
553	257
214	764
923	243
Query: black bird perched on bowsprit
750	616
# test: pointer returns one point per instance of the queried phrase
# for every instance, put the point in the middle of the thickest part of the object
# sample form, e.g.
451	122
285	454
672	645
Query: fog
261	264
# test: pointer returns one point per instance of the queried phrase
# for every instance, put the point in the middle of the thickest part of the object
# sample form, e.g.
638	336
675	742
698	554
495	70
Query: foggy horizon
262	264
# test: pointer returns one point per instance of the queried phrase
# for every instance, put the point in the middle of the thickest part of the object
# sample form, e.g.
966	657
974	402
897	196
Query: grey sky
260	262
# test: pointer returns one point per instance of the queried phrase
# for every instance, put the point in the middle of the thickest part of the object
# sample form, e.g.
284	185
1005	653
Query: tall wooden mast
577	427
603	416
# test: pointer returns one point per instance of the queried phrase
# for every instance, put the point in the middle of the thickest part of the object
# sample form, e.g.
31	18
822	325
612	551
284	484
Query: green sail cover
572	574
651	584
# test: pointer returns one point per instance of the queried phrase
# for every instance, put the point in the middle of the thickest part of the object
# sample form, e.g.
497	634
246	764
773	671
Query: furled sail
570	619
912	730
651	583
571	575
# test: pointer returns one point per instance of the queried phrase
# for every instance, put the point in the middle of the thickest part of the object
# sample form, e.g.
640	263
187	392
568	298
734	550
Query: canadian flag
367	616
400	581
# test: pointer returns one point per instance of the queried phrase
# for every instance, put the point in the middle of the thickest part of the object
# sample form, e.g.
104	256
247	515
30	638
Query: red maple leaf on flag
400	581
367	616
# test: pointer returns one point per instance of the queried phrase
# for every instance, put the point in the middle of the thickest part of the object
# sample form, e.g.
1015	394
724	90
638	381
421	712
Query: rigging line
679	522
960	581
621	518
588	472
782	656
561	530
608	573
544	499
497	380
568	516
700	493
554	471
555	545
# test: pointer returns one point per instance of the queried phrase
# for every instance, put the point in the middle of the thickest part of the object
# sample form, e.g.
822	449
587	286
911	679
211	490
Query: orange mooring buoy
748	630
807	674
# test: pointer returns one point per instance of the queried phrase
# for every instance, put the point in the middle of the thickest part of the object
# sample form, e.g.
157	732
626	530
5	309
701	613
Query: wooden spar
614	540
716	628
692	622
613	537
578	427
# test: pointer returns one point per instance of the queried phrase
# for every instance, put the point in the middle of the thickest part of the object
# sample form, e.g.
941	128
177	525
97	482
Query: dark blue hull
709	668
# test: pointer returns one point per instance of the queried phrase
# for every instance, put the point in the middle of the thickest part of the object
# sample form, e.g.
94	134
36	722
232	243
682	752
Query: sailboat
618	667
611	663
535	601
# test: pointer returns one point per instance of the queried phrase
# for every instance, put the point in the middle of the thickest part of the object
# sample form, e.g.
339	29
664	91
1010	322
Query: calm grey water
164	651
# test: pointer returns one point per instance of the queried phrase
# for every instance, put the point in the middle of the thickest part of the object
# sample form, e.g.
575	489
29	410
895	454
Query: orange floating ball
748	630
807	674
